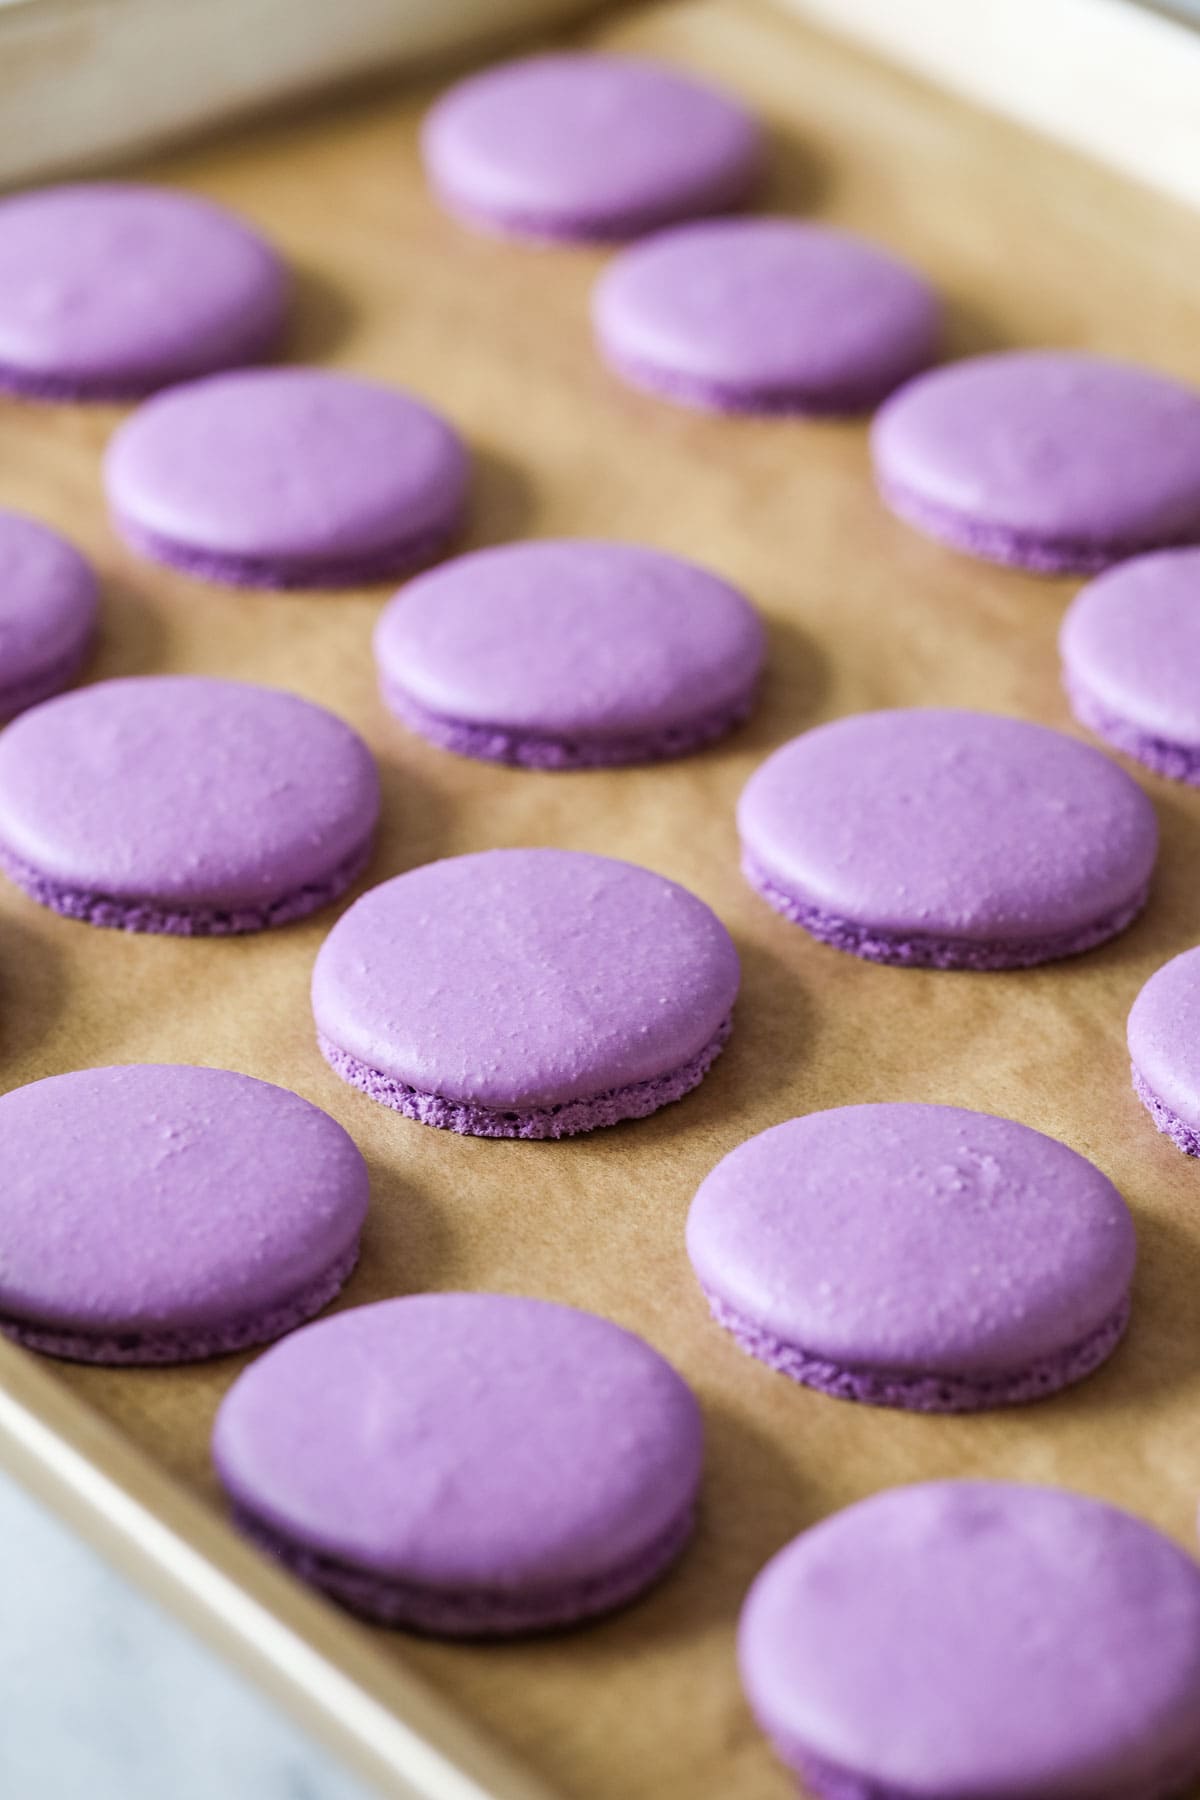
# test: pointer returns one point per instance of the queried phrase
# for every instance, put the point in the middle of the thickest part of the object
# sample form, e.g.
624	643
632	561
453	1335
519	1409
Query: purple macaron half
1130	645
467	1465
48	603
979	1640
948	840
159	1213
185	805
570	654
285	478
109	290
577	146
1049	460
1164	1047
765	315
525	993
924	1257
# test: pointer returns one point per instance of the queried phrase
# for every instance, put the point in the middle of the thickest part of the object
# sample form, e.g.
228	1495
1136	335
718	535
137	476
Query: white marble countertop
103	1697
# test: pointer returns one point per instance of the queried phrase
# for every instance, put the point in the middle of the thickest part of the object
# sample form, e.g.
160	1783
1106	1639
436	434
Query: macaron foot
402	558
434	1613
1178	762
828	1781
1182	1135
147	1349
534	750
916	952
718	397
162	919
932	1393
69	390
636	1101
1000	543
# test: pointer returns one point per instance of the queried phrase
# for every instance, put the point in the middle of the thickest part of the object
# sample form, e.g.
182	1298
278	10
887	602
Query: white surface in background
86	80
1116	80
102	1697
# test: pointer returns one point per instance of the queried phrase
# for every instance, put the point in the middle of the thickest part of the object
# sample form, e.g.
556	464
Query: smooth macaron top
1164	1035
1053	446
950	824
306	468
1130	643
571	637
164	1197
980	1641
525	978
914	1238
112	288
582	145
476	1442
183	788
767	313
48	596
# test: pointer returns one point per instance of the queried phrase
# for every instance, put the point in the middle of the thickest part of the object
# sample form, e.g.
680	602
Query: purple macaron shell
1130	645
584	146
1047	459
174	803
1164	1046
963	1640
109	290
525	993
465	1464
286	478
48	599
917	1256
159	1213
569	653
765	315
947	839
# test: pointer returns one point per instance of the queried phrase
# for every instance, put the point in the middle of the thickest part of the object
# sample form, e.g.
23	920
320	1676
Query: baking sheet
1030	246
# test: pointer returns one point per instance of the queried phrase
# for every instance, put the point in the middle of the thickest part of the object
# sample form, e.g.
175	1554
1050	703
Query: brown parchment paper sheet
1029	246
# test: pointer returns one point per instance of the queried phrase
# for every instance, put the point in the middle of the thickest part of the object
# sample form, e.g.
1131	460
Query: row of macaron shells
1097	1202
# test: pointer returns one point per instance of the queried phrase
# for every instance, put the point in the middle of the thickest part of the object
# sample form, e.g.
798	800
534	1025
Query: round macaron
765	315
160	1213
948	840
286	478
978	1640
525	993
174	803
1130	645
1164	1048
576	145
48	599
1047	459
471	1465
915	1256
109	290
569	655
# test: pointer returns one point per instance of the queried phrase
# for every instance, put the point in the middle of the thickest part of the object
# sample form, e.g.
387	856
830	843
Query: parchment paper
1030	246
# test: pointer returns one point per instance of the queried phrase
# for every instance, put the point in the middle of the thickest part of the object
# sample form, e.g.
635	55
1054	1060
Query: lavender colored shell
467	1464
569	653
765	315
918	1256
1048	459
176	803
978	1640
948	839
286	478
587	146
109	290
159	1212
525	992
